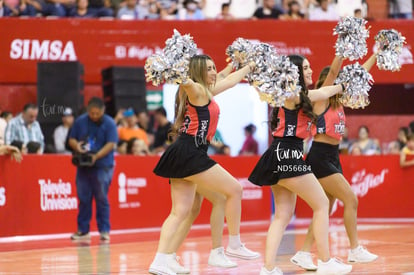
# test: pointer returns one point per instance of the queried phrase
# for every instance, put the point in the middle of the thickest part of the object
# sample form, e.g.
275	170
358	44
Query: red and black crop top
331	123
201	121
292	123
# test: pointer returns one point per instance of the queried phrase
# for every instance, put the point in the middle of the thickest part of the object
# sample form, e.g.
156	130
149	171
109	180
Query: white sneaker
361	255
161	270
242	252
174	265
333	266
275	271
304	260
218	258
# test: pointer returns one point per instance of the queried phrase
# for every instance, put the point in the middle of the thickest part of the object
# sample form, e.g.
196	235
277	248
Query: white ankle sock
234	241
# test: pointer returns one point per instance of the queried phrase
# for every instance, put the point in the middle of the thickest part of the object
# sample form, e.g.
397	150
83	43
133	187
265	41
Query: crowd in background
201	9
143	133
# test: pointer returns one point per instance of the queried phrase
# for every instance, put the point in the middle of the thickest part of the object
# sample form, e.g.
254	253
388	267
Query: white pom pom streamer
359	82
352	35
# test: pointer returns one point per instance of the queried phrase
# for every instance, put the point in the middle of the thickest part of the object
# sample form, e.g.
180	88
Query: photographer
93	138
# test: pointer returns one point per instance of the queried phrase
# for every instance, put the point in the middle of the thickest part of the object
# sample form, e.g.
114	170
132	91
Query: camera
82	160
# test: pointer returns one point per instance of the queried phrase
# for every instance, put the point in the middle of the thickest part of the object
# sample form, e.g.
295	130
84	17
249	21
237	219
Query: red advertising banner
38	196
383	188
99	44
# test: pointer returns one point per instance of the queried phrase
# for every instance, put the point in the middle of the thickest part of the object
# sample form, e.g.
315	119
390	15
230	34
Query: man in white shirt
324	12
61	132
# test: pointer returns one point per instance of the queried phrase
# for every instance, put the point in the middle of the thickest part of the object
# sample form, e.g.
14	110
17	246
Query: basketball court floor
131	251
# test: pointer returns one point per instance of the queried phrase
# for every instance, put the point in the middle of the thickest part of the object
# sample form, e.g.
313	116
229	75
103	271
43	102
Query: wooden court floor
130	252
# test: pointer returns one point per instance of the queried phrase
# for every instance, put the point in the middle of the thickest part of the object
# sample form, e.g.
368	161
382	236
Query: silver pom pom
359	82
274	76
390	44
239	52
171	65
352	35
155	67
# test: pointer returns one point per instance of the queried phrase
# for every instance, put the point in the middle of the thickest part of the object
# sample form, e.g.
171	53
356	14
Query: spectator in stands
393	148
324	12
212	8
243	9
4	119
13	151
25	127
58	8
358	13
411	128
137	147
33	147
225	12
367	145
355	150
119	118
19	145
154	10
216	144
29	8
267	11
401	9
132	11
224	150
145	123
81	10
191	11
293	12
250	145
94	135
60	134
100	8
168	7
161	138
121	148
6	115
402	137
5	11
132	129
407	153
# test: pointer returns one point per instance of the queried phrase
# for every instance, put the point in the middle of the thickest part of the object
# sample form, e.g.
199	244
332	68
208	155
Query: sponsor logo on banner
142	53
362	182
250	191
138	52
2	196
129	190
56	196
283	49
33	49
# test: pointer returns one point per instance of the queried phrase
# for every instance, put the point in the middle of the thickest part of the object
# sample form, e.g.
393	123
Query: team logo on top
290	130
340	127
